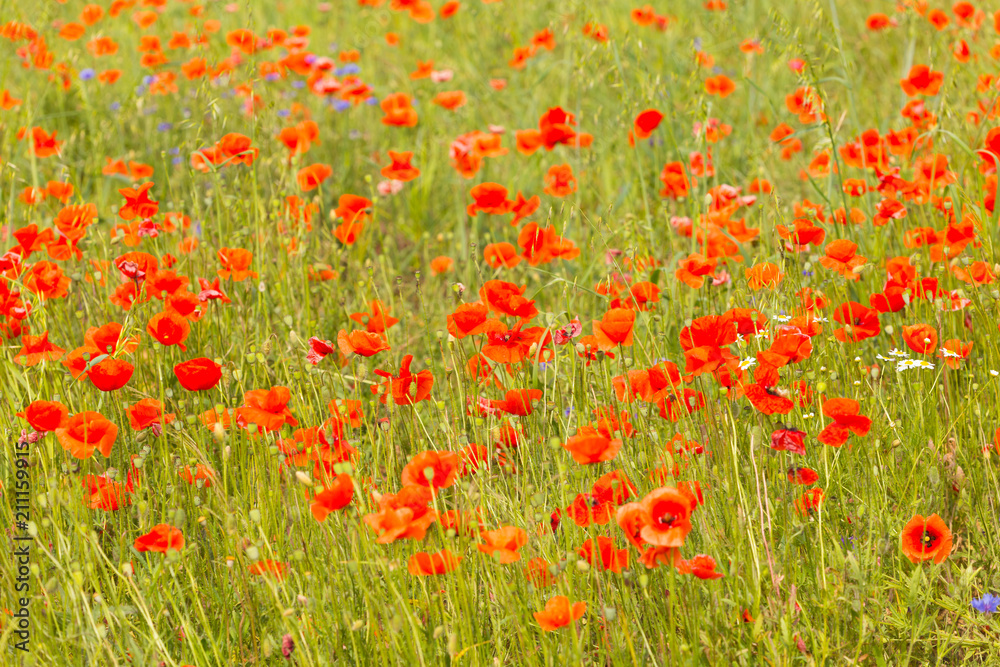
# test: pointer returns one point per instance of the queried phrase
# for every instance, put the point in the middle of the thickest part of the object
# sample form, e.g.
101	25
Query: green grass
831	587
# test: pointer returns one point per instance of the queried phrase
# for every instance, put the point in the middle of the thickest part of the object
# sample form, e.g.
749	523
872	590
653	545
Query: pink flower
389	187
721	278
318	349
149	228
567	333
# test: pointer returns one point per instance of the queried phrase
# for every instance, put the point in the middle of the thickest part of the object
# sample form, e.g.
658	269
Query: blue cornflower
87	74
165	127
341	105
298	84
986	604
350	68
148	80
284	113
115	106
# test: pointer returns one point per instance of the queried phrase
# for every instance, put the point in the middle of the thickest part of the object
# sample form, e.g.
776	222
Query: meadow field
499	332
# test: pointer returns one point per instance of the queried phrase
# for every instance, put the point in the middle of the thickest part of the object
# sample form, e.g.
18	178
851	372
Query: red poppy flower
559	181
559	612
406	388
921	338
676	183
859	322
198	374
809	502
147	413
503	544
501	255
160	539
353	209
404	515
507	299
44	416
614	329
312	176
36	349
847	419
269	567
925	539
169	328
423	564
46	281
604	555
400	169
666	521
267	408
489	198
137	203
789	440
922	81
673	405
334	496
398	110
193	474
539	573
85	432
470	319
235	264
433	469
441	264
720	85
646	123
953	351
701	566
801	475
362	343
764	275
378	320
591	446
110	374
767	400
